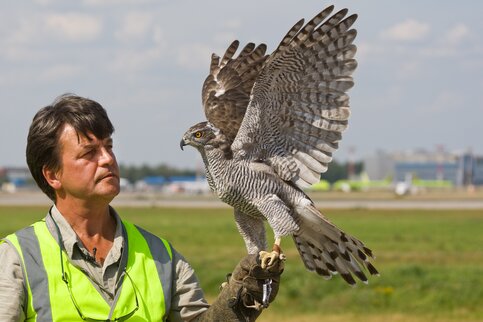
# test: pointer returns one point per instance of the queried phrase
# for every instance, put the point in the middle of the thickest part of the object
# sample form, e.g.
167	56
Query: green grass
431	262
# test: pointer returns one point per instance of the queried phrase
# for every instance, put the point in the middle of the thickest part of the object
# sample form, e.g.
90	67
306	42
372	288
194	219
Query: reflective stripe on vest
149	266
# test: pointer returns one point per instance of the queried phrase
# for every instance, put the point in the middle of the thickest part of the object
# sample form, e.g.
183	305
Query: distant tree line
134	173
339	171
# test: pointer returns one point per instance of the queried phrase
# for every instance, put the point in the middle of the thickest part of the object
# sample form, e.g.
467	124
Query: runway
183	201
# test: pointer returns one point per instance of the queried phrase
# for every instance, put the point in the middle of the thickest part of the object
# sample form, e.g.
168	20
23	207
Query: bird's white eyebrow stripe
214	128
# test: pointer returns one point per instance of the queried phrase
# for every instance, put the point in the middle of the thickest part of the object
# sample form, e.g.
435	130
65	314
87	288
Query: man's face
89	169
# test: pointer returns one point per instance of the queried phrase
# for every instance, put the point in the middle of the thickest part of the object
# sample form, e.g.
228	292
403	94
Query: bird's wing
299	106
226	90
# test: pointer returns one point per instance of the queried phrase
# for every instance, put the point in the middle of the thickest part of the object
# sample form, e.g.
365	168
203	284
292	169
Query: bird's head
200	135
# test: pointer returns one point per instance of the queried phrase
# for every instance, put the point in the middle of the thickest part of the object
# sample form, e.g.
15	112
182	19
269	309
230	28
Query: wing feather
291	34
304	177
299	105
296	35
226	90
310	162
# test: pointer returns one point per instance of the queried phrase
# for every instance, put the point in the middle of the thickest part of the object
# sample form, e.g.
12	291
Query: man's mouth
107	176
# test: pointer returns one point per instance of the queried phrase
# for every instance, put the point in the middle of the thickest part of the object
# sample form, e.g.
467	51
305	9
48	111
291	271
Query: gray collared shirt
187	297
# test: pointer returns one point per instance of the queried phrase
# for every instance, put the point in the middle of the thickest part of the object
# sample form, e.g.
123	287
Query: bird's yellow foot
267	259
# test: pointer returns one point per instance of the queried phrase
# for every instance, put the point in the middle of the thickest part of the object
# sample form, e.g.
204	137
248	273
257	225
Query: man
82	262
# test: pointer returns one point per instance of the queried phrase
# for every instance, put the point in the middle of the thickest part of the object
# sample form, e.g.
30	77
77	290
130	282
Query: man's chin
110	191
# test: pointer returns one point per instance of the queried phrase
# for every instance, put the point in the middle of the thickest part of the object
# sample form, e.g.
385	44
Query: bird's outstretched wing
299	106
226	90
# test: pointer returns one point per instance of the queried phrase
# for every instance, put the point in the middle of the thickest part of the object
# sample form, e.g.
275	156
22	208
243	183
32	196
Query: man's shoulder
8	253
24	232
152	239
8	248
129	225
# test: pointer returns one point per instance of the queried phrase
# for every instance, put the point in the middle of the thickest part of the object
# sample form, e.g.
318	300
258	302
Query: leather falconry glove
248	291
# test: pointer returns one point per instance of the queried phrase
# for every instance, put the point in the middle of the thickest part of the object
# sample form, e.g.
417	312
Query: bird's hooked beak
182	144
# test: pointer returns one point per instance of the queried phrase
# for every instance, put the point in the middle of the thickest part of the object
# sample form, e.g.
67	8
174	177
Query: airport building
460	169
14	178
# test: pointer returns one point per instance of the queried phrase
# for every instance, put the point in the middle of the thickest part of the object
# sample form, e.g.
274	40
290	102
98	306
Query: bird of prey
273	123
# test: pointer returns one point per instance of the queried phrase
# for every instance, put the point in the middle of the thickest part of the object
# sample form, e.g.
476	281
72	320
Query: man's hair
43	148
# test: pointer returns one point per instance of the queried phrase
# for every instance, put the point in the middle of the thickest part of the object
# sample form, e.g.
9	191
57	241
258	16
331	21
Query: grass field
431	262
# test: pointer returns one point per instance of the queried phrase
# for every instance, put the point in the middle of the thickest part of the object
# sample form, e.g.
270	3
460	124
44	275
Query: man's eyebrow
92	144
88	145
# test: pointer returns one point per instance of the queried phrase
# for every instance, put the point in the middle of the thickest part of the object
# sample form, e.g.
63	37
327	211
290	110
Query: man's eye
87	153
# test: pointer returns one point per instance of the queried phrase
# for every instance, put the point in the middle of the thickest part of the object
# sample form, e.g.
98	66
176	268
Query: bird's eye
198	134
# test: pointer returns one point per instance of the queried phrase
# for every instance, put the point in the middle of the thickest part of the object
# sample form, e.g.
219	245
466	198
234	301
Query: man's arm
241	299
188	300
12	288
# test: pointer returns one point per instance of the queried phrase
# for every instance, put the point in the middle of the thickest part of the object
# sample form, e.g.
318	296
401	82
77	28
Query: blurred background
418	86
407	178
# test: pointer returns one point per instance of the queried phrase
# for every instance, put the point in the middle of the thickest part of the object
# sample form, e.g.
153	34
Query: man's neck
93	224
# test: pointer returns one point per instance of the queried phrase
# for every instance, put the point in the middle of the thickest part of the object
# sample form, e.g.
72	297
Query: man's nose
107	156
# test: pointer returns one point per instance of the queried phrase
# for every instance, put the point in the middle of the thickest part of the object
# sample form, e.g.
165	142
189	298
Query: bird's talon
268	259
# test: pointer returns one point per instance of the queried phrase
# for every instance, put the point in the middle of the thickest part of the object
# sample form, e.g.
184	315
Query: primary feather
274	122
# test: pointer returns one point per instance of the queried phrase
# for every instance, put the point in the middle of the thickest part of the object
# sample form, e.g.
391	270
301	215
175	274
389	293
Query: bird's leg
267	259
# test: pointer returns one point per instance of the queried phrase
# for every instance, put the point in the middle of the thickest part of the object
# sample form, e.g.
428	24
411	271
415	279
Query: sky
418	85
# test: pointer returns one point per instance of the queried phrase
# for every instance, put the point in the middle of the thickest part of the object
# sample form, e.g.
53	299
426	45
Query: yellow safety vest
145	294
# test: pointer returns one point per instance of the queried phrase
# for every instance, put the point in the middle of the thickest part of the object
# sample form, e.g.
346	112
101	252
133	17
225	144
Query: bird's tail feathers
327	250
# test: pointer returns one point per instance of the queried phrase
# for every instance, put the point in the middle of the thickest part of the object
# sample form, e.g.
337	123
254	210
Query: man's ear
52	177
